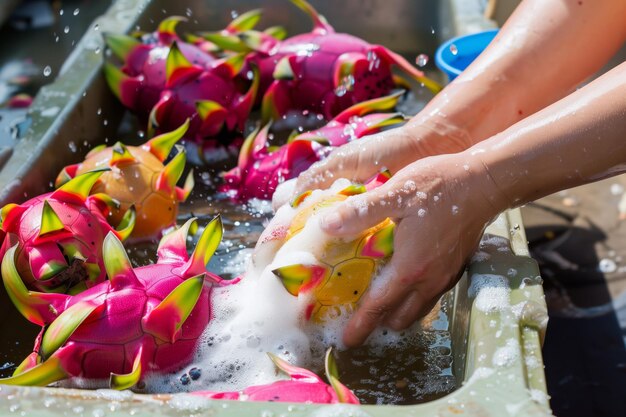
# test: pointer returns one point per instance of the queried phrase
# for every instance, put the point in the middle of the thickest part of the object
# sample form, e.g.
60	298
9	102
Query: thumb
360	212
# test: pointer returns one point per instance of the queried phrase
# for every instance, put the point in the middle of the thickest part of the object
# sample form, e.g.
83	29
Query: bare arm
580	139
442	203
545	49
542	53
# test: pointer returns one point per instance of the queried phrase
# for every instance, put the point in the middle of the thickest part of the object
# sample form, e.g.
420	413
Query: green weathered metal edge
503	373
58	114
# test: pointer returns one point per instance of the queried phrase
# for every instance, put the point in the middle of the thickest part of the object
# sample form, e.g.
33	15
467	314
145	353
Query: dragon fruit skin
59	236
144	63
212	99
174	81
334	283
137	177
303	387
323	71
140	321
259	171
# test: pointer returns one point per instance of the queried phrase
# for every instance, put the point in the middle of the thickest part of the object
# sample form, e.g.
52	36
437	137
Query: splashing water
421	60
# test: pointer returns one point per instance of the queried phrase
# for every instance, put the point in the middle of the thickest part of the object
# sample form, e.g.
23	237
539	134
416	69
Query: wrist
479	186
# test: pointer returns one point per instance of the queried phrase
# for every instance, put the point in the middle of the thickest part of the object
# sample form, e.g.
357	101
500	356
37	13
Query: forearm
546	48
579	139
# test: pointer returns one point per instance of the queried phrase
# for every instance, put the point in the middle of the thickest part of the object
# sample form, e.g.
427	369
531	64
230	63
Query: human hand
441	206
392	149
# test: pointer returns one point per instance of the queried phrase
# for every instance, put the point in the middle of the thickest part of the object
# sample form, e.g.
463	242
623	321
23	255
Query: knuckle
376	313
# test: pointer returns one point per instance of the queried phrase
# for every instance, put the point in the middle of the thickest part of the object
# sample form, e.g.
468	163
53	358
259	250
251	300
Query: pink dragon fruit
323	71
144	66
175	81
303	387
140	321
229	38
58	236
260	170
139	178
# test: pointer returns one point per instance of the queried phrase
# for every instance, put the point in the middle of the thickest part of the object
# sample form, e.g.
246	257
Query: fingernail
331	221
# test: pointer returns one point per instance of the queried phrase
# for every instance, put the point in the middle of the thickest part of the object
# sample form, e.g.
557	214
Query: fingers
387	292
340	164
359	213
413	308
356	161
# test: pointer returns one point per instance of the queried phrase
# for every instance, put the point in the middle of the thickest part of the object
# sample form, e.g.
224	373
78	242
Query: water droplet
234	14
195	373
66	29
617	189
421	60
72	146
607	266
76	11
99	111
184	379
454	49
61	12
188	12
432	30
97	50
47	71
96	27
346	84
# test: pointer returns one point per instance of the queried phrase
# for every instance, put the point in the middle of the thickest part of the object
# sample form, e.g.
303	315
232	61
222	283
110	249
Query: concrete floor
579	239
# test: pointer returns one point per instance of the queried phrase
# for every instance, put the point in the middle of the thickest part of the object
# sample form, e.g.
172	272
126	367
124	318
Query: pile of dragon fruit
63	262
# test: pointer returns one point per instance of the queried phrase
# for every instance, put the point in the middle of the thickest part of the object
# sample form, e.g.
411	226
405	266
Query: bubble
421	60
66	29
195	373
76	11
347	84
184	379
234	14
453	49
47	71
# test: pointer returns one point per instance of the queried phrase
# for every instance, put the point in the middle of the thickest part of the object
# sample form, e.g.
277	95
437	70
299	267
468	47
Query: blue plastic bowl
456	54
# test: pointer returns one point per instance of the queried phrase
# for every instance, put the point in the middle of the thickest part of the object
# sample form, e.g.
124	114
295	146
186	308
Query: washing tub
496	315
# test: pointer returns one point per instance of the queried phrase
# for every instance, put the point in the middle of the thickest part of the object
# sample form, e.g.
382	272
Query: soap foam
491	292
258	315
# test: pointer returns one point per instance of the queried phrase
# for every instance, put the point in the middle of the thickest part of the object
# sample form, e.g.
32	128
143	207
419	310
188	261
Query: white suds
258	315
491	292
507	355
